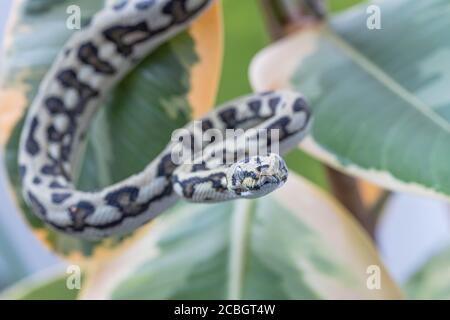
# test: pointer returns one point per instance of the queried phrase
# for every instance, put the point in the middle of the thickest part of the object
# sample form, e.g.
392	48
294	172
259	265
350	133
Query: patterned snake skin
90	64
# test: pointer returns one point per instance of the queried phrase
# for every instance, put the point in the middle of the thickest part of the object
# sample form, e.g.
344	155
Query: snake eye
237	176
239	173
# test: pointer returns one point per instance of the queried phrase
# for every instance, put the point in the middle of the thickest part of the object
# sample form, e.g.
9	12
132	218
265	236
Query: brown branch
274	24
345	189
283	17
376	211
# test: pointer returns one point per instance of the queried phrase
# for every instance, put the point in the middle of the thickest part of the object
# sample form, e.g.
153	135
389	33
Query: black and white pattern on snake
89	65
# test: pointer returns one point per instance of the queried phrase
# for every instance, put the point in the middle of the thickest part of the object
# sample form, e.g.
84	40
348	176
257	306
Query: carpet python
94	60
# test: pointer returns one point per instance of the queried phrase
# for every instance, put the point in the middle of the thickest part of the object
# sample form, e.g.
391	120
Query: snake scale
90	64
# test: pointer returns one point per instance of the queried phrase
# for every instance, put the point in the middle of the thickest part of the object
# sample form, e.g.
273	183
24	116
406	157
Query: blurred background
411	228
20	253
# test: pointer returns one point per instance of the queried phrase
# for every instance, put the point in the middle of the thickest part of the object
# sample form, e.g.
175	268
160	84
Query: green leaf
276	247
47	285
136	120
432	280
379	97
308	167
250	38
337	5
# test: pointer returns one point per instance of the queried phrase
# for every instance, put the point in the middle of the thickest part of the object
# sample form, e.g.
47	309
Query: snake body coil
91	63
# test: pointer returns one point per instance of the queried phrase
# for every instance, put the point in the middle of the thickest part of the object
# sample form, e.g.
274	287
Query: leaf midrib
377	73
240	229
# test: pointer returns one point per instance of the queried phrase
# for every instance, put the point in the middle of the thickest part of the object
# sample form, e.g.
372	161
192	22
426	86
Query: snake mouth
258	186
277	180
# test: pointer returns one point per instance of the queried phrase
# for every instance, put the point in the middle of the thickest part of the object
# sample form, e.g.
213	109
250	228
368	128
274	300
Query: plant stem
239	237
273	25
283	17
345	189
376	211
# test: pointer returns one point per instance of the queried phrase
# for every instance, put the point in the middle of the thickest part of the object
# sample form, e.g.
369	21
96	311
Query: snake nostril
267	180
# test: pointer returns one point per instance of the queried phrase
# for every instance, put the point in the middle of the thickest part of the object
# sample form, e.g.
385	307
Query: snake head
257	176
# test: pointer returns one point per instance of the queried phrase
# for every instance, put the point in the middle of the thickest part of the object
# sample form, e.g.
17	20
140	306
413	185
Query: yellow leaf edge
207	33
350	243
266	73
312	206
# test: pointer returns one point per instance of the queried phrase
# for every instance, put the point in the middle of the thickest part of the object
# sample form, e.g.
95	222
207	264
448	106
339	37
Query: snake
91	63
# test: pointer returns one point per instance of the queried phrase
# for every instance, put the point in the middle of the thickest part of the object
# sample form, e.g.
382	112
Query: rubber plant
299	242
